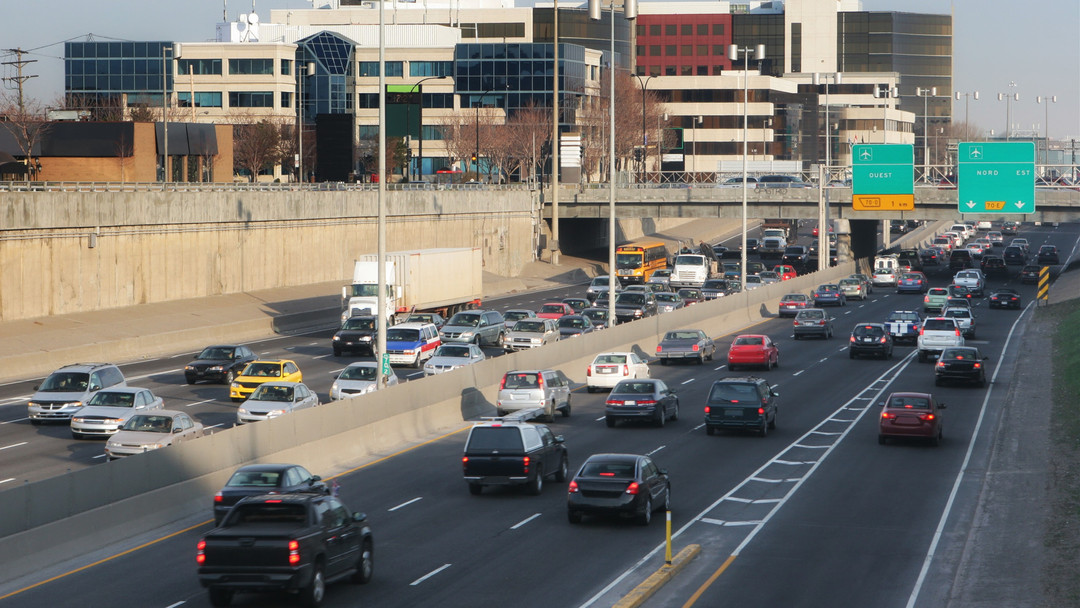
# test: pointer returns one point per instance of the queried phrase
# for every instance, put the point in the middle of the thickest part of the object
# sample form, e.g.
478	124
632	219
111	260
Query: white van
963	230
886	269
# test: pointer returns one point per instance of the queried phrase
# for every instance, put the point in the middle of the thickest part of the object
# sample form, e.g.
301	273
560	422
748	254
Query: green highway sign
883	177
386	369
996	176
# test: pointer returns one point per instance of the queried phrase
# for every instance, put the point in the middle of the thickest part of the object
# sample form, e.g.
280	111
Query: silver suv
937	334
547	390
68	389
532	333
480	327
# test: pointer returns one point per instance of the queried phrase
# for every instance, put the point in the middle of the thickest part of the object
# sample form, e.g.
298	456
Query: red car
910	415
785	272
753	349
554	310
792	303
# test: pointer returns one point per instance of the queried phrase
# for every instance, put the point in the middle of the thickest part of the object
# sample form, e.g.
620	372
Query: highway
815	514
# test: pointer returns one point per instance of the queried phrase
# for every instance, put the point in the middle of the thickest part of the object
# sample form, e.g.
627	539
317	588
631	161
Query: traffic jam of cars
520	448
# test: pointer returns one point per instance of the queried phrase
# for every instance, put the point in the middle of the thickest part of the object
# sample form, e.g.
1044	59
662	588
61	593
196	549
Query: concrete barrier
58	518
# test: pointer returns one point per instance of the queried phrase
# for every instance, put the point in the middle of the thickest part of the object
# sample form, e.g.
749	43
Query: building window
671	30
703	29
654	30
702	70
687	50
703	50
718	50
202	100
251	99
500	30
640	50
718	29
654	70
286	99
423	69
687	30
640	29
669	70
654	50
199	67
371	68
686	70
671	50
251	67
286	67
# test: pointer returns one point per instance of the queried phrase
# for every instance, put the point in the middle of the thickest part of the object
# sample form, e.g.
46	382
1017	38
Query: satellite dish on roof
253	19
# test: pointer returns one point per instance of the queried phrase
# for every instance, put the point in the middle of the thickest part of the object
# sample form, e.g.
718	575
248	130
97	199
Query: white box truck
423	280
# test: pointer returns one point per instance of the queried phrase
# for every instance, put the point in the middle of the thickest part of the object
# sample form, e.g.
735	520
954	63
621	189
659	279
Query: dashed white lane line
688	381
200	402
429	575
798	372
14	445
848	312
415	374
180	603
656	450
823	360
524	521
716	369
405	504
99	456
7	480
601	418
16	420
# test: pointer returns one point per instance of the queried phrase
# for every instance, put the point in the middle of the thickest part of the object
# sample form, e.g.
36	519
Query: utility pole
19	78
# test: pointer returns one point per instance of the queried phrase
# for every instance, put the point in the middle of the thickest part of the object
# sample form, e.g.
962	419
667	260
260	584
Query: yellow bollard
667	533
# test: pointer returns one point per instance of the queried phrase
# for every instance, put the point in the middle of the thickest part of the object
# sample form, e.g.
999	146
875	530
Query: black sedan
625	485
963	363
1005	298
641	399
691	295
572	326
597	316
1030	273
256	479
715	288
633	306
220	363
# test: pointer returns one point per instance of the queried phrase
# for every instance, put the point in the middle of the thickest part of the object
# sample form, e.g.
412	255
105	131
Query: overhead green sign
883	177
996	177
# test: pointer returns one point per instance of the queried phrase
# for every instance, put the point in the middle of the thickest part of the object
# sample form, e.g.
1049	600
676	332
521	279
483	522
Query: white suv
68	389
937	334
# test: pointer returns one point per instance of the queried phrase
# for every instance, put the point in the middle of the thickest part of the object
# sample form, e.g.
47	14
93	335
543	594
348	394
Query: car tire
675	414
763	430
75	435
732	367
797	336
564	469
661	417
220	597
536	486
312	595
922	356
476	489
337	352
936	441
772	423
701	360
416	362
229	377
710	430
566	410
574	517
646	516
663	361
591	389
610	421
982	381
365	564
189	379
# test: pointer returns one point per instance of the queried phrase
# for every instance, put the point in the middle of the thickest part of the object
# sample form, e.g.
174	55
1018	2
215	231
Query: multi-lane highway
815	514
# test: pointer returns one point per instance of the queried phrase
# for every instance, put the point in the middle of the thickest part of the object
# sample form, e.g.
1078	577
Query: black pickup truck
500	453
296	543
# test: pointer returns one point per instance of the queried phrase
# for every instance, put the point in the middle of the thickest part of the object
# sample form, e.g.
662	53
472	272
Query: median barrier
53	520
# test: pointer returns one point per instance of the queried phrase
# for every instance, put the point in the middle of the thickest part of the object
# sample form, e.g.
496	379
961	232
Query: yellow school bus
635	262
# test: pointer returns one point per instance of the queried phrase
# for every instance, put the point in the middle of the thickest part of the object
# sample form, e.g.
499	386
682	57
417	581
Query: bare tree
27	124
457	136
527	133
256	147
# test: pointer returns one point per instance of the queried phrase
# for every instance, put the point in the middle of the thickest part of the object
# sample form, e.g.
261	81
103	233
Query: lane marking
798	372
716	369
14	445
656	450
200	402
429	575
689	381
180	603
405	504
823	360
7	480
524	521
99	456
16	420
601	418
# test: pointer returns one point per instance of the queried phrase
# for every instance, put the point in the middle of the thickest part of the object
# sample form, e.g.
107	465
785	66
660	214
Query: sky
996	43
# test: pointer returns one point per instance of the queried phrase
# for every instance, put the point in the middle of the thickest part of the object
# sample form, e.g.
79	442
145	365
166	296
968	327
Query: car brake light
218	497
613	402
525	463
760	411
647	402
502	384
883	339
659	348
572	488
926	417
632	488
200	552
940	363
625	370
588	371
540	381
464	461
888	416
274	501
977	366
706	409
294	552
926	298
958	331
852	338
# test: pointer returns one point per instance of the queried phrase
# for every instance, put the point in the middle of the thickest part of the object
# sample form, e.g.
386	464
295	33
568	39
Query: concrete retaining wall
58	518
64	252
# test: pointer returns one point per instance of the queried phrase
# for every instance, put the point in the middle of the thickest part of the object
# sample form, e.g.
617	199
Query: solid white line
14	445
7	480
601	418
698	426
99	456
655	451
414	374
16	420
689	381
405	504
429	575
214	426
932	550
524	521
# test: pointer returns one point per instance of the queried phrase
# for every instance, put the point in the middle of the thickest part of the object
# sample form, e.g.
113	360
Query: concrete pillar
886	237
863	238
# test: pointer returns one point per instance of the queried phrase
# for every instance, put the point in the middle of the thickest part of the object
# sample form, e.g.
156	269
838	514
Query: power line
19	78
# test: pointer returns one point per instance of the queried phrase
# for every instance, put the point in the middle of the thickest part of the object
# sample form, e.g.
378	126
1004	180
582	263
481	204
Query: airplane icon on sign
866	154
975	152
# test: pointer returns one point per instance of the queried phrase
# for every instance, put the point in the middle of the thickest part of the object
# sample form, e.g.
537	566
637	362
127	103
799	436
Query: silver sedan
273	399
453	356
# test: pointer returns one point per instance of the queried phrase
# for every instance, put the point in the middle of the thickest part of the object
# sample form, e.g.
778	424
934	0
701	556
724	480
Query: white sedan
607	369
273	399
358	379
109	409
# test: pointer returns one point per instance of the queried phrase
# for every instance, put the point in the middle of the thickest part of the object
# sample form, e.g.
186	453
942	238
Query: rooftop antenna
224	11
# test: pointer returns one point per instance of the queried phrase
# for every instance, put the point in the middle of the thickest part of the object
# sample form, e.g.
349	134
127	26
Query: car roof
356	364
122	389
83	366
285	383
614	458
412	325
266	468
909	394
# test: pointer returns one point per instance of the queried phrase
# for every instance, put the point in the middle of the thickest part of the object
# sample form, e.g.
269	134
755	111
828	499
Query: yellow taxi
257	372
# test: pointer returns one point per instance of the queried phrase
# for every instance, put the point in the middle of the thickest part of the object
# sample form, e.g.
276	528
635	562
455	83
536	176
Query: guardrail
246	187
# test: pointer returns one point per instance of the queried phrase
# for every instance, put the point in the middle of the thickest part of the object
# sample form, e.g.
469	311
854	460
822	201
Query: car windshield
937	291
65	382
689	260
268	392
682	335
529	326
958	313
628	260
452	350
631	299
662	274
110	399
148	424
266	370
573	322
254	479
919	403
601	281
550	308
853	282
358	372
960	354
768	274
811	314
911	276
492	438
596	314
749	341
903	316
216	352
794	298
610	359
753	279
667	297
714	284
939	325
608	469
728	392
825	288
421	318
689	293
638	388
359	323
465	320
869	330
516	315
402	334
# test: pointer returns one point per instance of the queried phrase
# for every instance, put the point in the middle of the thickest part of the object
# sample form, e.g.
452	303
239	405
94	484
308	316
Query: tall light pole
629	13
733	55
926	94
166	71
836	79
1009	98
824	175
408	106
644	139
884	93
1046	126
555	136
309	70
967	97
380	247
695	121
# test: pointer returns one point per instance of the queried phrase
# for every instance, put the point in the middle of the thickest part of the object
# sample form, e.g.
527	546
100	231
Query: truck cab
690	270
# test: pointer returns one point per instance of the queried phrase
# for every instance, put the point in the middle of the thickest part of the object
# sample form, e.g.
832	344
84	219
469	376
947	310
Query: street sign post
883	177
997	177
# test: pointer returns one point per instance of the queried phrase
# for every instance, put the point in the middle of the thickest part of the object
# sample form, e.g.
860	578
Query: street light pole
629	13
166	71
408	120
967	98
1046	144
555	136
644	140
309	70
733	55
884	94
1009	97
824	177
926	94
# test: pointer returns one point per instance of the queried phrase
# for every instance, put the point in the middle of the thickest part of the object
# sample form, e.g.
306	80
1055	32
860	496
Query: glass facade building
105	70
